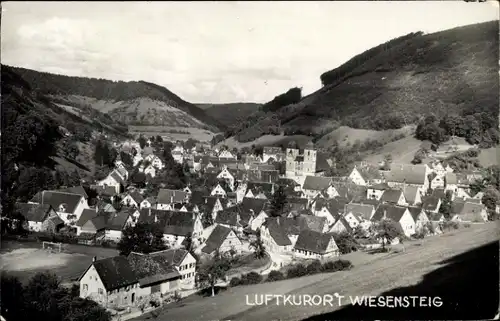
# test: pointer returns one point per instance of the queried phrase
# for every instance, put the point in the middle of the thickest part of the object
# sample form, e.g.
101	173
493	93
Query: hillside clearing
267	140
173	132
489	157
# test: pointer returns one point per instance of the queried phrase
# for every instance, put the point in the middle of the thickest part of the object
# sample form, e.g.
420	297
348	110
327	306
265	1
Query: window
85	287
100	291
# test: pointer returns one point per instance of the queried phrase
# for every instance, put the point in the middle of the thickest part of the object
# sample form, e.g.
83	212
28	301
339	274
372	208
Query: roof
230	216
168	196
137	197
216	238
87	215
451	178
115	272
270	176
272	150
363	210
76	190
277	232
342	219
430	203
391	195
392	212
317	183
457	207
415	212
471	211
296	204
410	193
178	223
55	199
380	187
174	256
369	172
313	241
99	222
439	193
117	177
334	206
322	162
197	196
151	269
33	212
116	221
104	190
409	174
255	205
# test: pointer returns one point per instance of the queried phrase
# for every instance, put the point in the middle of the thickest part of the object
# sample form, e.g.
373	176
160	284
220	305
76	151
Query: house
94	225
226	154
254	189
189	207
458	185
419	216
365	176
412	195
178	156
105	207
315	245
137	159
376	191
120	282
431	204
394	196
149	202
212	206
340	225
40	217
168	196
115	180
397	214
184	262
401	176
123	172
117	222
68	206
148	170
479	195
364	211
437	181
276	153
329	208
222	239
221	190
76	190
234	217
314	185
87	214
296	204
468	212
133	199
155	161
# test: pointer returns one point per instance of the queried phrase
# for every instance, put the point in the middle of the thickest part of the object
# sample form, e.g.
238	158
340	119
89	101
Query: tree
190	143
387	230
258	246
387	161
490	198
207	219
43	298
278	202
158	139
126	159
188	243
346	242
142	141
445	207
213	270
142	238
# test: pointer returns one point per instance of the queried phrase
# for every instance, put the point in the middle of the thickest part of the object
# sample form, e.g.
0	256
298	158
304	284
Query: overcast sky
215	52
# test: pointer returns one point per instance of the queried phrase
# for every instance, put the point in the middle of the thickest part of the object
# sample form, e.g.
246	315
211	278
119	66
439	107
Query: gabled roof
33	212
369	172
55	199
255	205
296	204
137	197
197	196
391	195
363	210
75	190
334	206
168	196
317	183
178	223
277	232
415	212
392	212
341	219
173	256
87	215
99	222
457	207
230	216
151	269
117	177
439	193
313	241
116	221
410	193
115	272
430	203
409	174
216	238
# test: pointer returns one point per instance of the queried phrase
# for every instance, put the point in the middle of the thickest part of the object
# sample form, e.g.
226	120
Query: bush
296	271
275	276
418	235
314	267
466	225
338	265
450	225
235	281
251	278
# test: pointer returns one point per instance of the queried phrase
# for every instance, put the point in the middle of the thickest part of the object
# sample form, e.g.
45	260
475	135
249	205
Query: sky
215	52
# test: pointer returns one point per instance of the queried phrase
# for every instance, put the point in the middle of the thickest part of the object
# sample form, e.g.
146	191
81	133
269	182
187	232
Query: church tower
309	159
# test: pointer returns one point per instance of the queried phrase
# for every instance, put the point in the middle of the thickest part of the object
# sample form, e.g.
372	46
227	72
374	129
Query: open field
266	140
346	135
168	132
387	271
26	259
490	156
402	151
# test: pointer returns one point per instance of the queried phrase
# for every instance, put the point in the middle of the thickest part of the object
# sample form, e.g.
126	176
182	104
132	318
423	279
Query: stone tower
309	167
291	154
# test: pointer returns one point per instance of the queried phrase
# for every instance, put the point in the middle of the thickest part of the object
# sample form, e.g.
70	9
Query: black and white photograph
249	160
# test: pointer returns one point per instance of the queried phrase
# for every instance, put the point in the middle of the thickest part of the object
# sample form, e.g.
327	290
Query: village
280	197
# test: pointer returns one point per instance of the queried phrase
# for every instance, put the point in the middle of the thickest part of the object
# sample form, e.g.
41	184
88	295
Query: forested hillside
448	73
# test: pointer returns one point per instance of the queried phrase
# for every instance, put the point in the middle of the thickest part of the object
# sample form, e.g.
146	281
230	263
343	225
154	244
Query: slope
133	103
231	113
453	72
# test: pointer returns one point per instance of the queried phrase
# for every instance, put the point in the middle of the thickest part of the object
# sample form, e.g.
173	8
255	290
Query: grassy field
372	277
489	156
266	140
26	259
173	133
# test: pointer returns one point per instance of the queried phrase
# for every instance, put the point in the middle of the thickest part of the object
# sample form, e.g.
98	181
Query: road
391	271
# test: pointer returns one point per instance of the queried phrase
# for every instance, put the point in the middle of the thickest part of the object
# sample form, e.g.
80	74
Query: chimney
94	259
385	214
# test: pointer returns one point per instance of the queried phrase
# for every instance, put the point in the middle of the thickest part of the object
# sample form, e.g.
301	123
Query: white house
184	262
133	199
259	220
375	192
394	196
155	161
40	217
314	245
356	177
397	214
314	185
420	217
222	239
137	159
69	207
340	225
117	222
227	176
458	185
114	179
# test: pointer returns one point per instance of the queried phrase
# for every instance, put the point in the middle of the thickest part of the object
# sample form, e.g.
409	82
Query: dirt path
372	278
